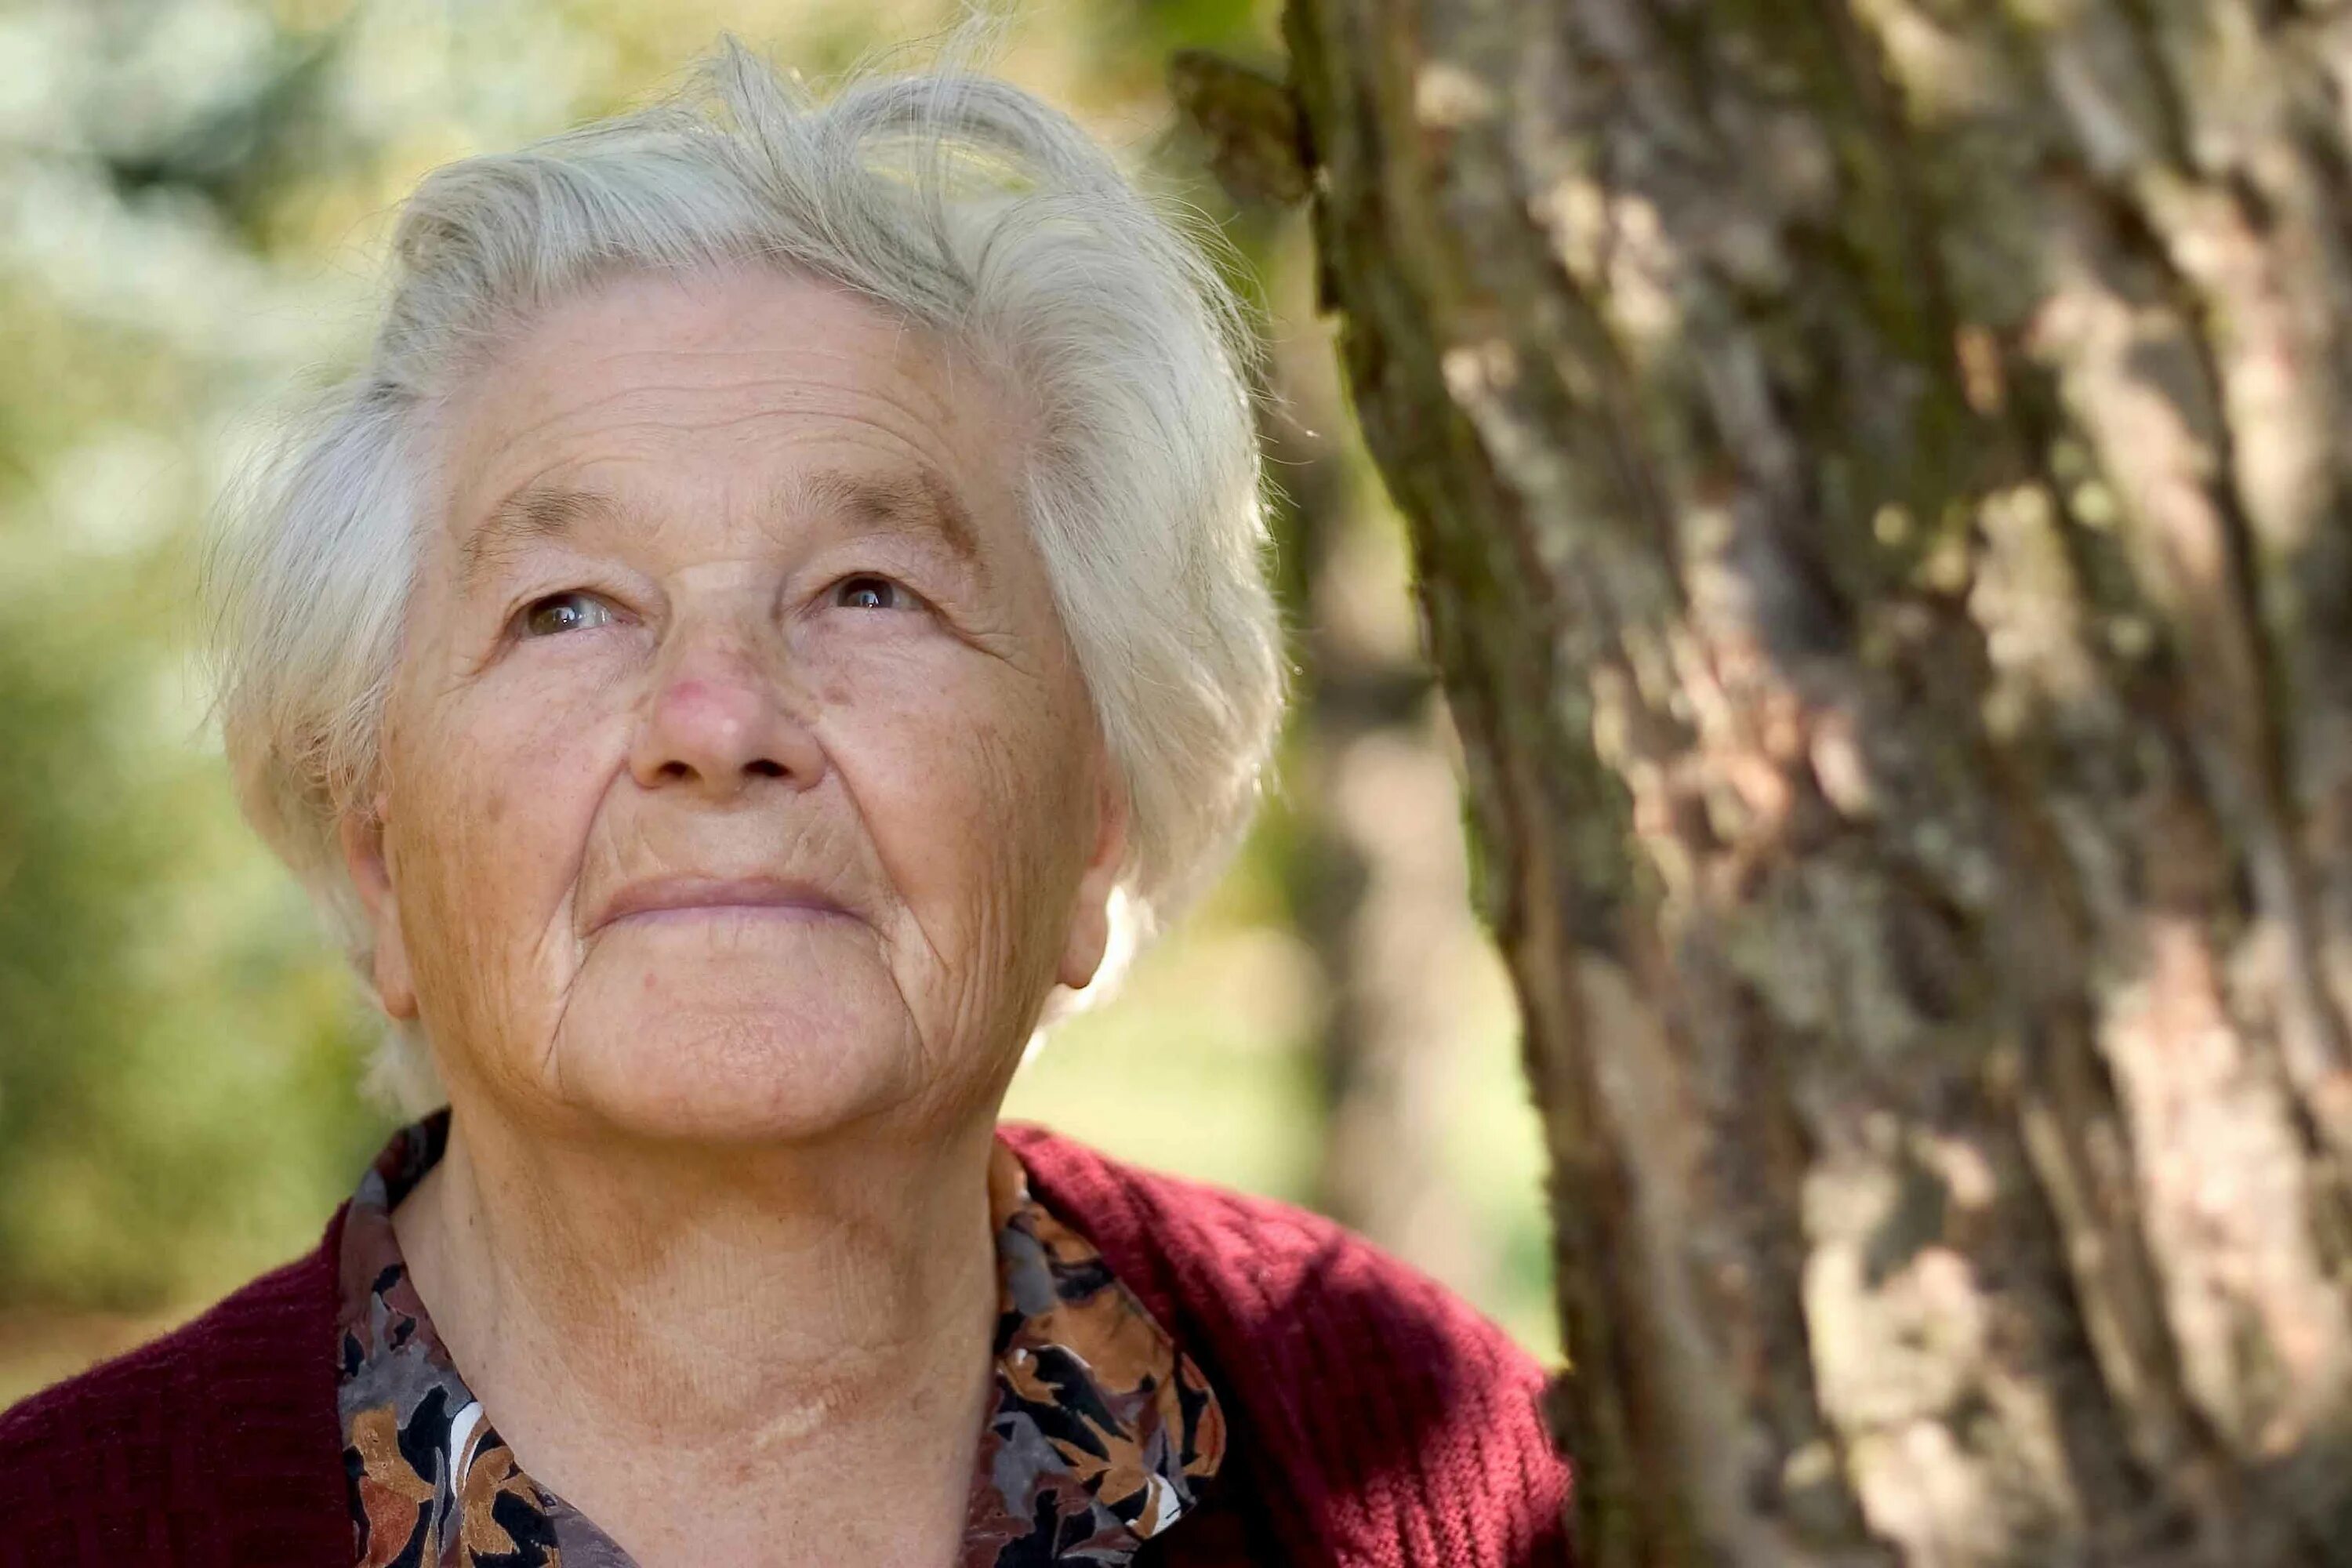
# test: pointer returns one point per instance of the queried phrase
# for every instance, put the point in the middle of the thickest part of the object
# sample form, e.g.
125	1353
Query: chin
731	1063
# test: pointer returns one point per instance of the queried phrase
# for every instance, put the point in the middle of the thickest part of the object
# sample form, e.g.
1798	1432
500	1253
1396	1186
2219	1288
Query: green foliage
176	1051
175	1082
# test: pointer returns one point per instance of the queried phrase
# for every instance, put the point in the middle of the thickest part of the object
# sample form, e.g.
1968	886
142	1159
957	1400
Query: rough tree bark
1880	474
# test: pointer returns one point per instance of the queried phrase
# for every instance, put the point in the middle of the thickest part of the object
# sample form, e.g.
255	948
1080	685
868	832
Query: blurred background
193	200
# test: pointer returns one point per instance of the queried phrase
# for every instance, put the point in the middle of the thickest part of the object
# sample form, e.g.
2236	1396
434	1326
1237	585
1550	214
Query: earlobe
362	837
1089	940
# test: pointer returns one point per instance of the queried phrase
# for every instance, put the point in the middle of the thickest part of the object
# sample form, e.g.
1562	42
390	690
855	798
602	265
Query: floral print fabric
1101	1439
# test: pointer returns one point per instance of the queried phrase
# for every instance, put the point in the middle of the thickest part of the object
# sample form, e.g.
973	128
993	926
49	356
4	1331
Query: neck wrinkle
754	1308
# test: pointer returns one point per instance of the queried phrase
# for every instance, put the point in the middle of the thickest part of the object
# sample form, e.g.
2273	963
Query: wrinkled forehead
737	395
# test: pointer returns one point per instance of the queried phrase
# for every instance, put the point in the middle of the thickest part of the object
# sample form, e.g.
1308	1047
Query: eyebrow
918	502
531	515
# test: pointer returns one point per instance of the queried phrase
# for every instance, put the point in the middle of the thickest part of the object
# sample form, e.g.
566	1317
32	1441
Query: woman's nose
718	721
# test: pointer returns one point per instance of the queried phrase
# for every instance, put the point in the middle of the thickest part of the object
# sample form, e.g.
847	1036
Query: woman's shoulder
1268	1259
172	1444
1389	1405
197	1355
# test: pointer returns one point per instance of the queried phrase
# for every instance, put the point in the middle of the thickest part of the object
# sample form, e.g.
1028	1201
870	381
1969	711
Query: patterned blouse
1101	1439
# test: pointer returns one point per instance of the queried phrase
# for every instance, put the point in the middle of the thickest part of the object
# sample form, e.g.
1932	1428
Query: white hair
957	201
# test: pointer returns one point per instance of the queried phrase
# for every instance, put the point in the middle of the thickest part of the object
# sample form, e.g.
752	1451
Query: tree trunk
1880	493
1375	888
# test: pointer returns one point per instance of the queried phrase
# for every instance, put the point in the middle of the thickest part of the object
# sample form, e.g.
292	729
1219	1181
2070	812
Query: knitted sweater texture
1375	1420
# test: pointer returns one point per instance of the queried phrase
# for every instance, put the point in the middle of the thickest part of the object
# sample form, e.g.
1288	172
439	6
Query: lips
685	896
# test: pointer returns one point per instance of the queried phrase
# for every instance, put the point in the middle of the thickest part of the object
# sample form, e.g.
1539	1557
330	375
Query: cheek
496	790
970	788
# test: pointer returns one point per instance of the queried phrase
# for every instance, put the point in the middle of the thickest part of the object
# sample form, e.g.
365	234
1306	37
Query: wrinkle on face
708	459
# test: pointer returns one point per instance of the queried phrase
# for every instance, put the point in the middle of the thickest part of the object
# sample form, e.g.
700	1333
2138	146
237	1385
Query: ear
1089	937
362	834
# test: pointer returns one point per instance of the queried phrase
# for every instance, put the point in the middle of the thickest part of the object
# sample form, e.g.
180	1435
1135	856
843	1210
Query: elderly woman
781	608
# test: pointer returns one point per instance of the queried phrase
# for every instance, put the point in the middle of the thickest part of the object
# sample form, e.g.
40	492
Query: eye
871	594
572	610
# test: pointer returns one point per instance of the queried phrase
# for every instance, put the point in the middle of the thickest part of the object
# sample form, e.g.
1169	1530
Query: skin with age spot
742	803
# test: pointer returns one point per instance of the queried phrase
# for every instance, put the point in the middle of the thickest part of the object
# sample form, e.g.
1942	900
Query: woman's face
739	782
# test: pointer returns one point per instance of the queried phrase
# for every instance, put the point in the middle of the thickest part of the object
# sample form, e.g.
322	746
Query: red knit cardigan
1374	1421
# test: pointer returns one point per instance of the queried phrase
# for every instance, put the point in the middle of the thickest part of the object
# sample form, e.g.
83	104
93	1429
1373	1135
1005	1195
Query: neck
649	1322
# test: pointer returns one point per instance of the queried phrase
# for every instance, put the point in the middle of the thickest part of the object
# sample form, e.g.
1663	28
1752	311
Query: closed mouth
704	898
